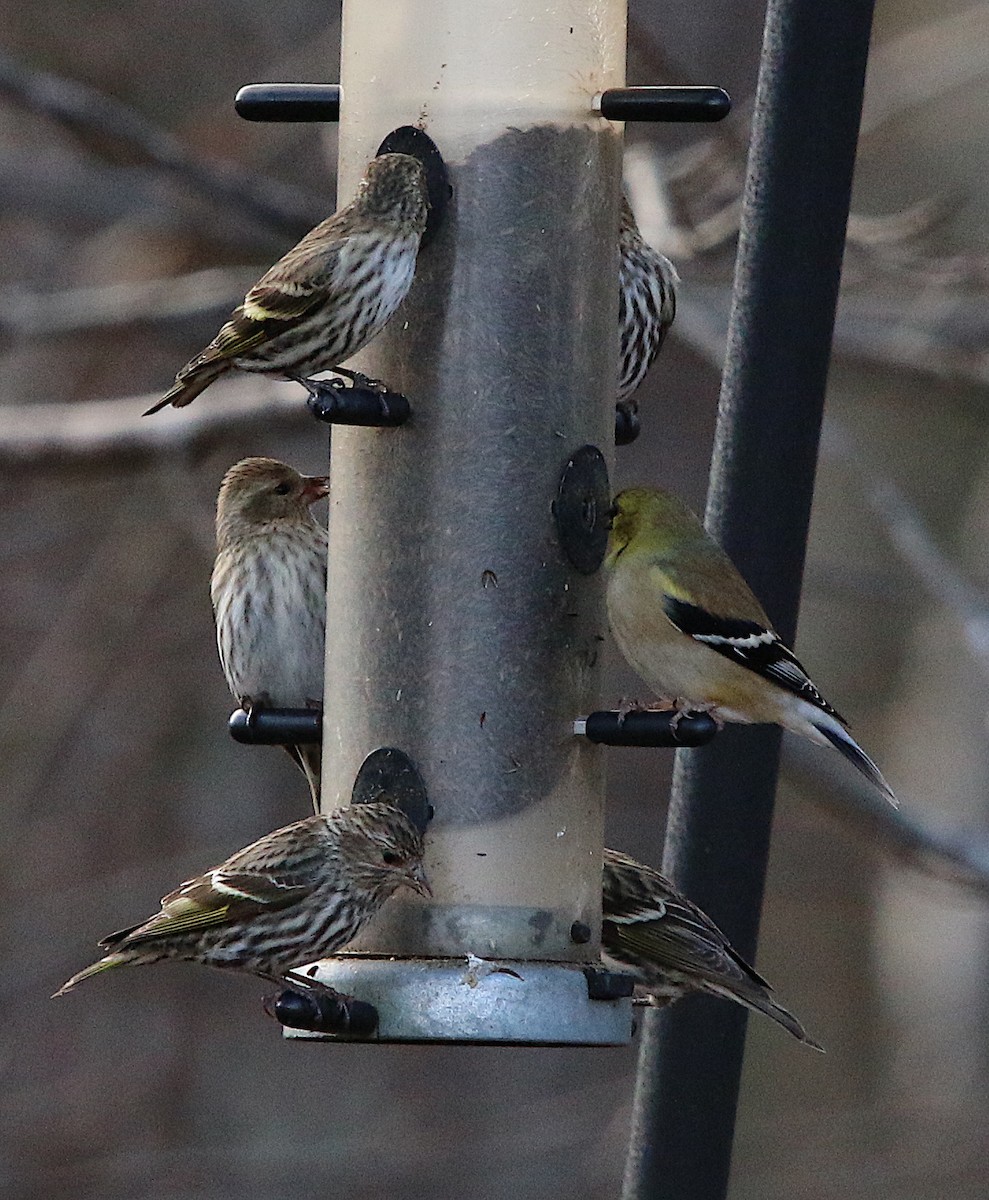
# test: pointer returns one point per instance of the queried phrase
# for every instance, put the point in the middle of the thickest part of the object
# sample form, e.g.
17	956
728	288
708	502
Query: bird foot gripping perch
315	307
322	1010
369	402
647	279
363	401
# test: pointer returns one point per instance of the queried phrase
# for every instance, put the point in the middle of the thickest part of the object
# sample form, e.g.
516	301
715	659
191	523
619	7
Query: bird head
394	189
650	518
257	491
385	848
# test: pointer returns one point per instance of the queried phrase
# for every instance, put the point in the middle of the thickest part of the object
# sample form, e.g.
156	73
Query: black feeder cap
389	773
582	509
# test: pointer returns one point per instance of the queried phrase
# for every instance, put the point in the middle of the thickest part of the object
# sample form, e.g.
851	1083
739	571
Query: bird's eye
282	489
389	857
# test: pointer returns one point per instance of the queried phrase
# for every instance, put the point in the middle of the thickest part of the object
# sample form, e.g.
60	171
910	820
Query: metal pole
805	127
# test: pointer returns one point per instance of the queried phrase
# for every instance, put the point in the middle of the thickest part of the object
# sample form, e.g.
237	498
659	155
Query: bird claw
627	706
339	382
252	705
685	708
359	380
680	710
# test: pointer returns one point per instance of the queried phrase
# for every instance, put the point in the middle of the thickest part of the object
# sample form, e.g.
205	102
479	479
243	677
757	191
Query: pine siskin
688	623
672	947
647	304
330	294
269	592
288	899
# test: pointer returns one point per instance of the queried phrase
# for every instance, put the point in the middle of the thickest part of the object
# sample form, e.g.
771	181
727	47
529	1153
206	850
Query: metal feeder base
479	1001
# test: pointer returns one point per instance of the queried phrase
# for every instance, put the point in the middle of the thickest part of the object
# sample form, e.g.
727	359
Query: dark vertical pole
808	106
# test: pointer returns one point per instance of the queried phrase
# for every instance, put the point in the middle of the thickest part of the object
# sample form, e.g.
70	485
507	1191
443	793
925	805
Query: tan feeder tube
457	630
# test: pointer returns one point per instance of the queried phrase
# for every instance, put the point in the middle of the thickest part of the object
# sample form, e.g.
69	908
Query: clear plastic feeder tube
457	630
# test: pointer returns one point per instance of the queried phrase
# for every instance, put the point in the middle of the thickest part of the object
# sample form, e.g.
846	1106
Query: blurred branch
60	432
40	314
949	853
947	341
695	193
107	599
938	574
924	323
927	61
94	117
70	191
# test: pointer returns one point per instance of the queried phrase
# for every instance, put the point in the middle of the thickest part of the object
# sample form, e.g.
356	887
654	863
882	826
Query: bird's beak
316	487
417	881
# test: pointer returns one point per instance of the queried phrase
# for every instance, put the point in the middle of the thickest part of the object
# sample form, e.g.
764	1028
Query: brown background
118	777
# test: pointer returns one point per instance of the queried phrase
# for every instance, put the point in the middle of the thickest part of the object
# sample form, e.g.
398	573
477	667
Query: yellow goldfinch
688	623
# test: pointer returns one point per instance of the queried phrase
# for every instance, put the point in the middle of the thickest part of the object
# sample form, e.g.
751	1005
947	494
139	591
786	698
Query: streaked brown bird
269	592
673	948
330	294
295	896
647	305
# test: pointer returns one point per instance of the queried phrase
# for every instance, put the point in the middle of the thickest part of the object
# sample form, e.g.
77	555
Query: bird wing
266	312
301	278
748	643
673	933
273	305
284	301
218	898
274	872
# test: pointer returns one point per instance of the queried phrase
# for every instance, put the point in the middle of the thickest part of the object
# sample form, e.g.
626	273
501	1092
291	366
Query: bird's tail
187	386
839	737
759	1000
104	964
309	760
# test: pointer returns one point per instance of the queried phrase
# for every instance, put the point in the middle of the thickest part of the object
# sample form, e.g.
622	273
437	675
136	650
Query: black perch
643	728
668	104
304	727
335	402
321	102
288	102
627	427
323	1012
277	727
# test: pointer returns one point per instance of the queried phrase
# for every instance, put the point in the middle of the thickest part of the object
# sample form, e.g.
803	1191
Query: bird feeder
465	608
459	632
